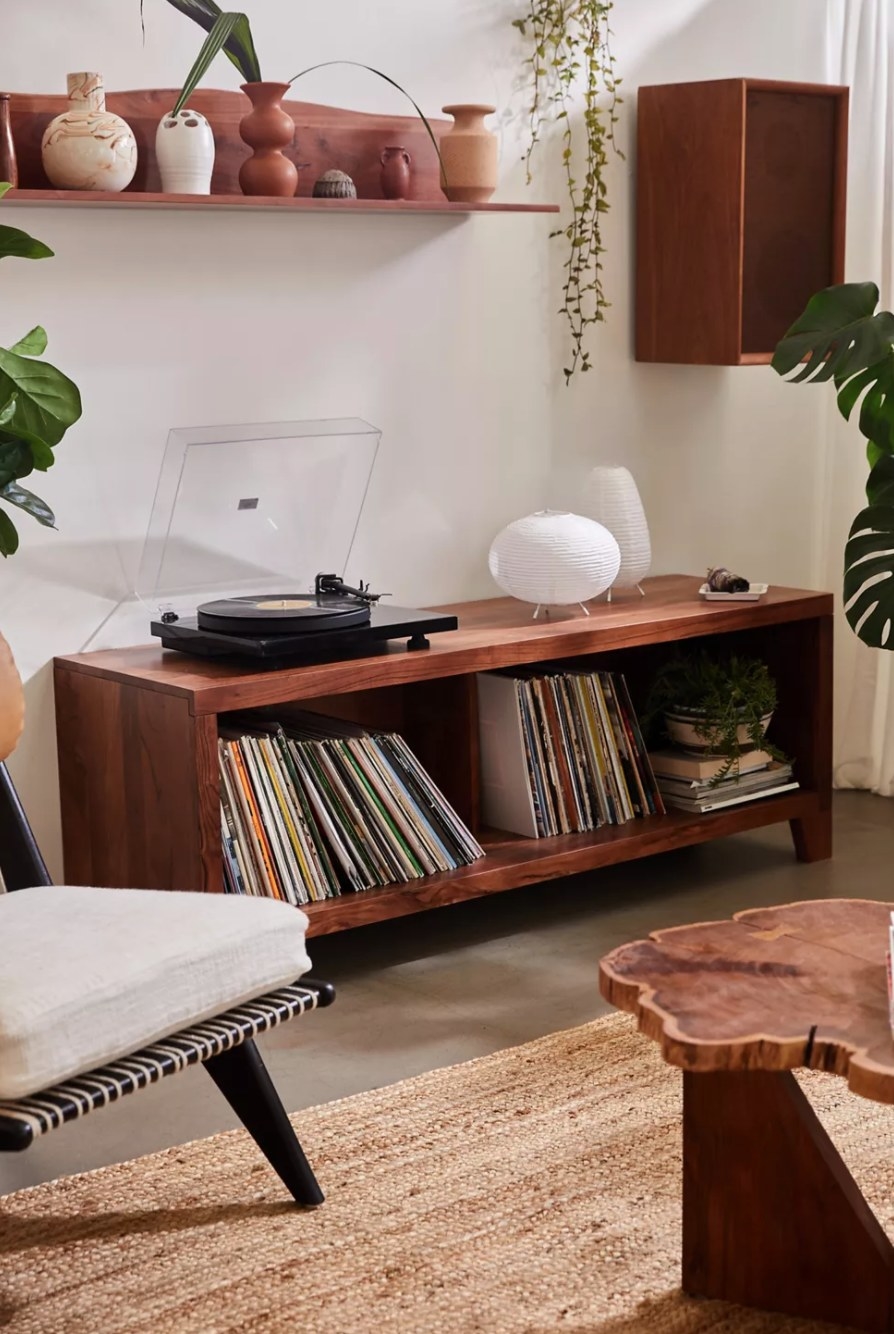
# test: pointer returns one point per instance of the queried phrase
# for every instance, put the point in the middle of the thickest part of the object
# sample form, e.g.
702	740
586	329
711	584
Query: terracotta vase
395	173
87	147
9	170
469	155
267	129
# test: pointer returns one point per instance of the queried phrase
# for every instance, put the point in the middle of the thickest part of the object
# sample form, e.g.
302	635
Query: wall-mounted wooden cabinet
741	193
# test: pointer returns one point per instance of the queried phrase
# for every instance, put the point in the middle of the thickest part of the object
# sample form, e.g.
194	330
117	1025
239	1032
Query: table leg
771	1216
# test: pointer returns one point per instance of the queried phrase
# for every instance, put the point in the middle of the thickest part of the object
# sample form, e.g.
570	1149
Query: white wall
441	333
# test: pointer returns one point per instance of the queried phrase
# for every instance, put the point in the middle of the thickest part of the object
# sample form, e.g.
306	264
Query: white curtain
860	36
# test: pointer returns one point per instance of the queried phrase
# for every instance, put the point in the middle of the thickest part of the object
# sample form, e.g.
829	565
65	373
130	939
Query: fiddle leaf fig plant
37	406
841	337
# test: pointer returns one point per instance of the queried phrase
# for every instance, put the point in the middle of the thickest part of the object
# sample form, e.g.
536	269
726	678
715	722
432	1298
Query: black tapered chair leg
243	1079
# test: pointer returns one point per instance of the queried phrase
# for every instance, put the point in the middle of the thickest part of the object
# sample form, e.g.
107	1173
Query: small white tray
754	594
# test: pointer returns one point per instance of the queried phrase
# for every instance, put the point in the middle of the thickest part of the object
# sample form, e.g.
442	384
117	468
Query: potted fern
719	706
37	406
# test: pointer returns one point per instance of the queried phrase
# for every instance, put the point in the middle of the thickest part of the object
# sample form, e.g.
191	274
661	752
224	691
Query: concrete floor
459	982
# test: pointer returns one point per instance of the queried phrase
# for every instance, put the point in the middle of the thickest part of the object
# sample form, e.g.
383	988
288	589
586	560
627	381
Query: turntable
334	620
243	513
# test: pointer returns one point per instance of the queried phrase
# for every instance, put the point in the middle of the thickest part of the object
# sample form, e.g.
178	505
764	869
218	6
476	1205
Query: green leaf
15	459
42	455
7	412
34	344
30	503
239	47
869	561
9	538
4	186
369	69
837	335
19	245
213	43
46	401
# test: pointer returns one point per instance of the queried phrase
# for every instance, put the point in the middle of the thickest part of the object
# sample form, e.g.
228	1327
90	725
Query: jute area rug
534	1190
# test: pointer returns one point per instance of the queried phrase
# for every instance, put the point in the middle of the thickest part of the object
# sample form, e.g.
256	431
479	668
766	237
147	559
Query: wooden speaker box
741	194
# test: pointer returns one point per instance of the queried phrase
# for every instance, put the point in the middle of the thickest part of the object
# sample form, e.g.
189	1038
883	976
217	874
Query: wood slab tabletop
804	984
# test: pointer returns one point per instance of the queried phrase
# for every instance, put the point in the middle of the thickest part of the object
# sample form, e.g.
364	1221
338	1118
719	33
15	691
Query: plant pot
87	147
267	129
681	725
469	155
184	150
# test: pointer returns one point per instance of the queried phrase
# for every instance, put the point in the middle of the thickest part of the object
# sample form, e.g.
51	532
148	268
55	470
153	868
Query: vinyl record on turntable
282	614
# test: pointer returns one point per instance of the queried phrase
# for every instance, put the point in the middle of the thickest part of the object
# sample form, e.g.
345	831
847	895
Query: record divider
137	739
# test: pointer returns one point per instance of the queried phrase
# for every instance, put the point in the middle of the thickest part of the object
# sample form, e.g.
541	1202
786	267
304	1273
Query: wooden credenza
137	735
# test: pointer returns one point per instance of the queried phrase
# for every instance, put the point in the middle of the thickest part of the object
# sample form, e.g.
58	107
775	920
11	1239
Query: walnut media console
137	735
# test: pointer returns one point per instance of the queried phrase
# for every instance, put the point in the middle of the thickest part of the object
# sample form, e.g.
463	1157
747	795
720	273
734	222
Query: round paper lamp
554	559
613	500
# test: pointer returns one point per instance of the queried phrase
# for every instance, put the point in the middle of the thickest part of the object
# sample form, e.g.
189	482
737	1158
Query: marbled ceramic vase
267	129
87	147
469	155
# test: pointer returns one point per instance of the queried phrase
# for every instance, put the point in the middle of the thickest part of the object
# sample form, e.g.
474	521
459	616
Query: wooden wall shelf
741	198
325	137
137	736
140	199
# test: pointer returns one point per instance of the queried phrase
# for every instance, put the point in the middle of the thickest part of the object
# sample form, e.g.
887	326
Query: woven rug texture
534	1190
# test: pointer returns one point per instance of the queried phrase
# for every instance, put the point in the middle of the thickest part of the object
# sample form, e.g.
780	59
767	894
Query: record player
243	513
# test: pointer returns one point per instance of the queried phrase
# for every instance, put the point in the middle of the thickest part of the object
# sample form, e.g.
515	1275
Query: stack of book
317	807
691	781
561	753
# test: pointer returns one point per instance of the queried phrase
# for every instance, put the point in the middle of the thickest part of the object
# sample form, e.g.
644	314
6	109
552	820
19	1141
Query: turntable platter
282	614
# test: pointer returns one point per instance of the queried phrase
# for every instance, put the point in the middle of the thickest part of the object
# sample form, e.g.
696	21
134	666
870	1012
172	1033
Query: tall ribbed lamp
553	558
611	498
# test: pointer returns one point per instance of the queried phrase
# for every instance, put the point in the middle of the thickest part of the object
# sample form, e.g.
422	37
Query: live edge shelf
137	735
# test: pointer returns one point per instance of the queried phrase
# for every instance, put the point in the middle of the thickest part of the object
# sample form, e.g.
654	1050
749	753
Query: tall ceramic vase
184	151
87	147
612	499
469	155
267	129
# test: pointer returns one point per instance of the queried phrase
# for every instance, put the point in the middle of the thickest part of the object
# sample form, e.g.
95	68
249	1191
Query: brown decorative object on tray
267	129
88	147
335	185
469	154
395	173
771	1216
741	196
9	169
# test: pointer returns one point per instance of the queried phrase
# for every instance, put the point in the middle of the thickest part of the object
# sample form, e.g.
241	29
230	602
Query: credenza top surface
495	632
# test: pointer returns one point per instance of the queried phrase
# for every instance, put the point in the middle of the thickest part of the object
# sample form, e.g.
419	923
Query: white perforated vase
611	498
554	559
184	149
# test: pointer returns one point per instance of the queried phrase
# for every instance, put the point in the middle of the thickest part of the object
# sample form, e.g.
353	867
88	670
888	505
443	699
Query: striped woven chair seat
23	1120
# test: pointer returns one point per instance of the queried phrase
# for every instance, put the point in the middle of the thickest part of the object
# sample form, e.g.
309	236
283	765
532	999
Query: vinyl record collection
318	807
562	753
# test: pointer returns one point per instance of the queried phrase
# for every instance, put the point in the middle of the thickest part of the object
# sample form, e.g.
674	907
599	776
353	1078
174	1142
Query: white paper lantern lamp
554	559
612	499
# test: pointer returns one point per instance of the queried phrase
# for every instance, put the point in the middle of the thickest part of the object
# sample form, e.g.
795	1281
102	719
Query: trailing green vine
570	41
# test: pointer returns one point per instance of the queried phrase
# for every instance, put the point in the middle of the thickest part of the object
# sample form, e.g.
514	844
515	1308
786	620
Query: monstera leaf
841	337
869	561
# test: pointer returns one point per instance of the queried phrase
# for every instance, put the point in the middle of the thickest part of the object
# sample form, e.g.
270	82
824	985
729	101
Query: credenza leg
772	1218
812	836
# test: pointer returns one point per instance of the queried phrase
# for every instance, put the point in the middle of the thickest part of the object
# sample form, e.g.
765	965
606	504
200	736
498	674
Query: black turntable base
288	628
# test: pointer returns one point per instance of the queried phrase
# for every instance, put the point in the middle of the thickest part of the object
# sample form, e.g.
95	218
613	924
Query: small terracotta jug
267	129
469	155
395	173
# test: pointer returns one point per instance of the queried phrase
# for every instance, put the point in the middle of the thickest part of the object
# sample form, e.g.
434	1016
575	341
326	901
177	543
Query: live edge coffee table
771	1216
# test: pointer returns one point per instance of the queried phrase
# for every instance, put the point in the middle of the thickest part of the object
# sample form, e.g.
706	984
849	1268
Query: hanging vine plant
570	44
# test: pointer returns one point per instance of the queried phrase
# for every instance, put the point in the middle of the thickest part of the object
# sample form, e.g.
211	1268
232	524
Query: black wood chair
224	1043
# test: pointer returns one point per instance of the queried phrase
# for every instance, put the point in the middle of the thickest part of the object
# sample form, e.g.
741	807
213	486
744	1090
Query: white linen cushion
89	975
